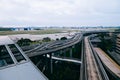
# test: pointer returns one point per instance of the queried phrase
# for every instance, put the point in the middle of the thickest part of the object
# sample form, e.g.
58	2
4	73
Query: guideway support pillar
71	50
51	64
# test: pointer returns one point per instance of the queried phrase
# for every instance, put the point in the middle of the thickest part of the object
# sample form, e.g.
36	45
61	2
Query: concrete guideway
69	43
65	59
110	64
92	68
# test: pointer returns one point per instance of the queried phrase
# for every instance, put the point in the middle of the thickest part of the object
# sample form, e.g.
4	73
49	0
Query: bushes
46	39
24	42
5	29
63	38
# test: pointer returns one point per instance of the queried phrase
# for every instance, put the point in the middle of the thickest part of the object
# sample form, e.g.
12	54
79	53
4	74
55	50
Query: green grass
47	31
30	32
112	29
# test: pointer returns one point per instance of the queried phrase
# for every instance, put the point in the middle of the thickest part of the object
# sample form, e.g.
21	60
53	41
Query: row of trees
26	42
5	29
47	39
117	30
106	44
62	38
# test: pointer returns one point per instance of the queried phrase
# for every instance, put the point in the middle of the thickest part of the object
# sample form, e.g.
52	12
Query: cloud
59	12
106	6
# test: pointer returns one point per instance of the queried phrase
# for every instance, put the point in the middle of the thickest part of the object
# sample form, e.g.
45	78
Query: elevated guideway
66	59
92	69
59	45
26	68
108	62
95	69
51	48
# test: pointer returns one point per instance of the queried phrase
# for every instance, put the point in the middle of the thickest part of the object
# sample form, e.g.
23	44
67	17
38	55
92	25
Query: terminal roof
5	40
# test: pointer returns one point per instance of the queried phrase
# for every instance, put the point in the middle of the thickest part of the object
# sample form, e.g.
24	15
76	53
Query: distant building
22	29
117	44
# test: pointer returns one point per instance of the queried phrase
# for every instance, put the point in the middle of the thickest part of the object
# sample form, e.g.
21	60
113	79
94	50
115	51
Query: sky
59	13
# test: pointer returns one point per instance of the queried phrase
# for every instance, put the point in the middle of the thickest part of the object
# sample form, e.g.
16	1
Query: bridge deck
92	69
55	47
66	59
115	68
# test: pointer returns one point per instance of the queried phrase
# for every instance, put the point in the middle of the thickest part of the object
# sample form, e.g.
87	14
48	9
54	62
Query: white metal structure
14	64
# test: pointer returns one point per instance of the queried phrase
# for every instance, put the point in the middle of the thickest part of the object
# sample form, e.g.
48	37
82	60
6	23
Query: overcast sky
59	12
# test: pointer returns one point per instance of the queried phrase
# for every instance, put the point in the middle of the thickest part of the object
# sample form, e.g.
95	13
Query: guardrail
99	63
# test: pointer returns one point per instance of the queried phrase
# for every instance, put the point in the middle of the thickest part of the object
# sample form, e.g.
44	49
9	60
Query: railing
99	63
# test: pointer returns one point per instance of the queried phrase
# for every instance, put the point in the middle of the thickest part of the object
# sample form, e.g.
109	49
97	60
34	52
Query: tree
5	29
63	38
46	39
57	39
117	30
24	42
106	44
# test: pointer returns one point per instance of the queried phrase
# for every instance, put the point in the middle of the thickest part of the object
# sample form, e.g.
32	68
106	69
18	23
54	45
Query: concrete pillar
45	55
73	46
61	51
71	52
64	52
46	59
57	53
51	65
